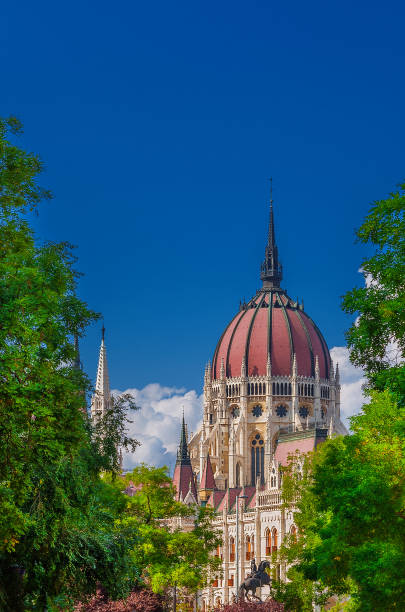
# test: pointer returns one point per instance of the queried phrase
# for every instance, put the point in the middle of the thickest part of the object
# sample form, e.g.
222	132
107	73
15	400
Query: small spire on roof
183	456
294	365
243	367
316	367
268	365
271	270
222	370
337	374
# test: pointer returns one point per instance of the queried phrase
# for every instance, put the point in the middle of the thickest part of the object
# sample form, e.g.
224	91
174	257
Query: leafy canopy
168	554
57	534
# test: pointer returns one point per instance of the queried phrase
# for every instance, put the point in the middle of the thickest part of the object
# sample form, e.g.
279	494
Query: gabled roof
207	478
215	498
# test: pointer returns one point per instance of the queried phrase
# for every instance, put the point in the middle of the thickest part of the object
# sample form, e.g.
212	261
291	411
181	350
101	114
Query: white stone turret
101	400
294	394
317	393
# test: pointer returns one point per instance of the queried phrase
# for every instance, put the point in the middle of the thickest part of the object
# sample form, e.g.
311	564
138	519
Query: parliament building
270	391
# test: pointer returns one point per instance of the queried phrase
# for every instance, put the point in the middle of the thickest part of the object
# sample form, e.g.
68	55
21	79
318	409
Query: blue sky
160	123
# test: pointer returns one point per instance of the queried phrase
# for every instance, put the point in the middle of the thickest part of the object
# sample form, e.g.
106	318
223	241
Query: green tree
350	510
377	338
168	555
349	500
57	534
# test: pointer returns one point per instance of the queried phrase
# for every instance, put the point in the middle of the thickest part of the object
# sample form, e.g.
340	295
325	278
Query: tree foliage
168	555
349	498
377	338
57	534
350	510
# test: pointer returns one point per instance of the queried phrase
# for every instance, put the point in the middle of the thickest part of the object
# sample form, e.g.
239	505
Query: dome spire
271	269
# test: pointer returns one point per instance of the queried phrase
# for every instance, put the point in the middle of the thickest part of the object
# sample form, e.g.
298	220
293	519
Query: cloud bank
157	424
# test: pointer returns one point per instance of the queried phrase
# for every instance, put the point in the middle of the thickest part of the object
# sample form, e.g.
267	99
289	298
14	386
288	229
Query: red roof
301	442
207	478
271	322
182	477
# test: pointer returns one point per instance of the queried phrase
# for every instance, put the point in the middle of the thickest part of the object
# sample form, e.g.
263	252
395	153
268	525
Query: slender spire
77	364
271	270
183	457
101	400
337	374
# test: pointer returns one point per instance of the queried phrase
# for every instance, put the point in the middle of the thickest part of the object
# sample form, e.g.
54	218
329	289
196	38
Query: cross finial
271	189
103	332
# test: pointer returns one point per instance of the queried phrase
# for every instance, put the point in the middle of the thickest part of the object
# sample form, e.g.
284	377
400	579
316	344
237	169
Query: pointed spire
337	374
77	364
332	371
183	457
101	400
209	371
103	380
268	366
316	367
243	368
271	270
294	366
222	370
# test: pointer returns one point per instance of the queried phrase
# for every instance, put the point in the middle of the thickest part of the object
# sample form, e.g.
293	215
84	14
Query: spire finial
271	270
183	456
103	332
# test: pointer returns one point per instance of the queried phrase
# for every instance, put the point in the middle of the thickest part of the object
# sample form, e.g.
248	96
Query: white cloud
157	424
351	381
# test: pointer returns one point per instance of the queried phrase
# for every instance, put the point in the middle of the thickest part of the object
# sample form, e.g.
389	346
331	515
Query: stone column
317	395
294	395
269	429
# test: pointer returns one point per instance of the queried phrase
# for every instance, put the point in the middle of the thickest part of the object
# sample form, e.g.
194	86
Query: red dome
271	323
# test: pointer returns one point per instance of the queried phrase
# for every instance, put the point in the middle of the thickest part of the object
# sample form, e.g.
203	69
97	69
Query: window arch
231	549
293	533
274	539
249	548
268	542
257	458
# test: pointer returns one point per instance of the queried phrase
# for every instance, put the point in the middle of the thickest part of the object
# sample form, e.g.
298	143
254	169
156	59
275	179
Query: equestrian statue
257	578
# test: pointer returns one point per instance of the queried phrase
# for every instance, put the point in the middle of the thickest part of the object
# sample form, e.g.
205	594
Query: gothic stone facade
270	391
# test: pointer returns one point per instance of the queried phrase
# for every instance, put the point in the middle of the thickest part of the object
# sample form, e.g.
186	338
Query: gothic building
271	390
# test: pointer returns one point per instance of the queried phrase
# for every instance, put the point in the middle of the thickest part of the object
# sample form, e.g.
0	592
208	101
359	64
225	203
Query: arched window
248	549
268	542
231	549
289	388
257	459
277	389
273	539
238	474
274	388
293	533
